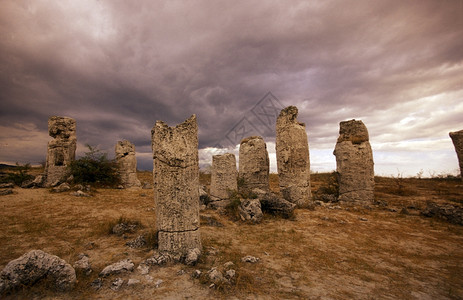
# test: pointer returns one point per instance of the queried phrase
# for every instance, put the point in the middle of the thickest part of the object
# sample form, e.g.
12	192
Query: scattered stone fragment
223	179
292	150
61	150
215	275
121	228
5	192
133	281
354	163
250	259
64	187
254	164
117	284
158	283
139	242
157	259
122	266
176	187
192	257
127	164
34	266
196	274
250	211
450	213
363	219
97	283
149	278
180	272
80	193
83	264
230	274
457	139
228	264
143	269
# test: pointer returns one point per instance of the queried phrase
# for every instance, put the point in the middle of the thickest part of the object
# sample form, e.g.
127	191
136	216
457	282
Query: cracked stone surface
293	162
61	150
254	164
223	176
457	139
122	266
354	163
176	186
127	164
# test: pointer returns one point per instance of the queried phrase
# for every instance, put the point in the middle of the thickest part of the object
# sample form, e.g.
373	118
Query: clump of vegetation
19	175
330	186
232	208
121	225
95	168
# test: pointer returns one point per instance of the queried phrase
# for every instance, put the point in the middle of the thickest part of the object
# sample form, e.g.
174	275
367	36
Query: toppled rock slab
451	213
122	266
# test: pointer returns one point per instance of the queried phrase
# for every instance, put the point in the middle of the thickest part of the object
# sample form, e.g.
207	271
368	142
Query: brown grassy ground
332	252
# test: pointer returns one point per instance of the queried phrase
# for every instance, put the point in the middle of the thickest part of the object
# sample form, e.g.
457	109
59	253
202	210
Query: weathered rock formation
292	150
127	164
34	266
176	187
61	150
250	210
354	163
223	178
253	165
273	204
457	139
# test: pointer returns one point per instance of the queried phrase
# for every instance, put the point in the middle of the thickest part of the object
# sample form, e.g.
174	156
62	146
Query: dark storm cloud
118	66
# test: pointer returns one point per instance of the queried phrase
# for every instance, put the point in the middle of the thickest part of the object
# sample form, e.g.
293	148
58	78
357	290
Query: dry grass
325	253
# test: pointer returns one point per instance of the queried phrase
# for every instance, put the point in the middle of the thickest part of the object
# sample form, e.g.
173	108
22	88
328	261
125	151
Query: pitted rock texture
33	266
250	211
457	139
127	164
293	161
176	186
61	150
254	164
354	163
223	176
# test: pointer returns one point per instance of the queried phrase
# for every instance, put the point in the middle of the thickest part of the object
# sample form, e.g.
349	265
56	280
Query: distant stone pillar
354	163
176	186
127	164
253	164
293	161
61	150
223	178
457	139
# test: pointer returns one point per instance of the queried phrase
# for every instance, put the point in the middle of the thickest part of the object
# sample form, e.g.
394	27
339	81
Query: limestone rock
117	284
33	266
64	187
250	210
215	275
127	164
292	150
457	139
250	259
176	186
157	259
354	163
122	266
83	264
223	177
450	213
61	150
253	164
192	257
274	204
138	242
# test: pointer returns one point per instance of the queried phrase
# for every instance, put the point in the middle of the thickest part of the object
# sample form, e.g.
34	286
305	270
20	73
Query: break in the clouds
118	66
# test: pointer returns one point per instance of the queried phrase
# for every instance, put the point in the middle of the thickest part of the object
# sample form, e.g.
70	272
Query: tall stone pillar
293	161
223	178
61	150
253	164
354	163
127	164
176	186
457	139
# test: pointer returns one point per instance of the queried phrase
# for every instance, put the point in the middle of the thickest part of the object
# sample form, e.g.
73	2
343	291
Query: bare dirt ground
332	252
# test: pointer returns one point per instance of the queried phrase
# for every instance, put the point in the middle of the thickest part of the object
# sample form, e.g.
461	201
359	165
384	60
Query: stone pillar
354	163
293	161
457	139
223	178
127	164
176	187
61	150
254	164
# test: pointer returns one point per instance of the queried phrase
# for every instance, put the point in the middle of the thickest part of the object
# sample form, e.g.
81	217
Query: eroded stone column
127	164
61	150
354	163
293	161
176	186
254	164
223	178
457	139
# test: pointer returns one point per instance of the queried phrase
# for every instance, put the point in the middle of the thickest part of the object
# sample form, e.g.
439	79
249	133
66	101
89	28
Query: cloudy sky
118	66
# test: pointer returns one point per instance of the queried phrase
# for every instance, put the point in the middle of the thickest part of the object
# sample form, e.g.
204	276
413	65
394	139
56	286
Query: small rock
143	269
180	272
64	187
149	278
139	242
80	193
192	256
215	275
250	259
97	284
123	266
121	228
363	219
83	264
133	282
120	187
158	283
196	274
230	274
117	284
6	192
250	210
228	264
157	259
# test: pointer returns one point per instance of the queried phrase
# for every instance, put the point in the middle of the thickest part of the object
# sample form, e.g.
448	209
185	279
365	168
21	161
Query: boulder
250	211
122	266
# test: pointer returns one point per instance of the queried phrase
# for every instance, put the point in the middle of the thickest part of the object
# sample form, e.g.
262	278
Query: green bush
95	168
